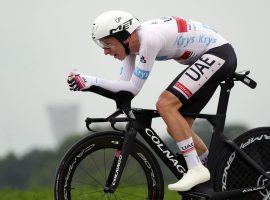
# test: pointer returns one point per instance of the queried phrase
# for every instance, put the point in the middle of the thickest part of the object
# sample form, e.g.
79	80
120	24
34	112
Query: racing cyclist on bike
209	57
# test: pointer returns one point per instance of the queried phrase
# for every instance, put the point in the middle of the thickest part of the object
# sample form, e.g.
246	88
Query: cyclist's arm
127	68
147	55
133	79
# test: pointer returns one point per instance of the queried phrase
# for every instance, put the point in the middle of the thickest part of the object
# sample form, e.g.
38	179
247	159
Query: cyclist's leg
198	142
203	95
168	106
193	91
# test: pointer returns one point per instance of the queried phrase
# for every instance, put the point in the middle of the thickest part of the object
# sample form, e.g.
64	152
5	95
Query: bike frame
140	121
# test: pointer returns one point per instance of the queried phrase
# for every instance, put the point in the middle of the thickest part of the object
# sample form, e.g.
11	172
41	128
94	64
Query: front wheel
84	170
233	172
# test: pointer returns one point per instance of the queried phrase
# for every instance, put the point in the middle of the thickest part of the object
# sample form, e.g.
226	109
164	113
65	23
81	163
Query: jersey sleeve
147	54
127	68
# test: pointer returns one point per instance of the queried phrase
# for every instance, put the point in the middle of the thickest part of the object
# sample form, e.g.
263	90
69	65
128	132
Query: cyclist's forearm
116	86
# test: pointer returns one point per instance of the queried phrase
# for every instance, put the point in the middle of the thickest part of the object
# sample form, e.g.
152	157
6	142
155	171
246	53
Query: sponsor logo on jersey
180	87
184	41
198	74
198	68
203	39
142	74
122	27
142	59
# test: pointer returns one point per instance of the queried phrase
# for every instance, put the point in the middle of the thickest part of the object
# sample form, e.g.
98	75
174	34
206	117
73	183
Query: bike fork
120	159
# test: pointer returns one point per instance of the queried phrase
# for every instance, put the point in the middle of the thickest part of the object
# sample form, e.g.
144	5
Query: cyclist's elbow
134	89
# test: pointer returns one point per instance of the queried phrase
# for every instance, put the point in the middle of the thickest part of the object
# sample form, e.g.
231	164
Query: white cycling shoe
194	176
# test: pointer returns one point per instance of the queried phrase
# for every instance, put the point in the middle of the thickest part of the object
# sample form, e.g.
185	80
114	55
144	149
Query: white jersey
162	39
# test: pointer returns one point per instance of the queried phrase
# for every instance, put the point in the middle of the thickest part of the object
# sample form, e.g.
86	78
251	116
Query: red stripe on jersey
183	88
185	55
181	24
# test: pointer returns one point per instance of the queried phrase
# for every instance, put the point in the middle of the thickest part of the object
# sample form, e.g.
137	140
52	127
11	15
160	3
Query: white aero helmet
115	23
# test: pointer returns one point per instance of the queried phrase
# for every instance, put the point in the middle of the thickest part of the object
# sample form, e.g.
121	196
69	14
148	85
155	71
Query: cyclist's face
114	48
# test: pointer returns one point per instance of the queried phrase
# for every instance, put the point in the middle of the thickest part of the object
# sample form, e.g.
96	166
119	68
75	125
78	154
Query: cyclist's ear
127	40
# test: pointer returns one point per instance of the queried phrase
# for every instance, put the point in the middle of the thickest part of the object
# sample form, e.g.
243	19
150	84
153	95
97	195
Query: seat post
217	141
224	96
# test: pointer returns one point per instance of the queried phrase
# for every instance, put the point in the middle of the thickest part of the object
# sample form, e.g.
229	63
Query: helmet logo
122	27
117	20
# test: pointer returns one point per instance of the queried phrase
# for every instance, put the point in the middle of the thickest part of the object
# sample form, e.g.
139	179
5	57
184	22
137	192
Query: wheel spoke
84	183
132	185
87	193
118	197
105	165
90	176
133	195
129	177
115	196
98	169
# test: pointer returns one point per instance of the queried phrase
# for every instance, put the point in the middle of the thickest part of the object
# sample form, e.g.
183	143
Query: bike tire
234	173
81	167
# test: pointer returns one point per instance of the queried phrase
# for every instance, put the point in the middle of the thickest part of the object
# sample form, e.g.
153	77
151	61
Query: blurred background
41	41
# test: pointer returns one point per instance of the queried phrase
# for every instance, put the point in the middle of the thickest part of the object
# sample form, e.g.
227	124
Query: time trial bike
117	165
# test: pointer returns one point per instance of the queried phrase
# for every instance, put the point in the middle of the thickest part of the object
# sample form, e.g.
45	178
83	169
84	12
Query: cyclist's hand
78	81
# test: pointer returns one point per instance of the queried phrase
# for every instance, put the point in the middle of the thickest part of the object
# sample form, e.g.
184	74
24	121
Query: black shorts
195	86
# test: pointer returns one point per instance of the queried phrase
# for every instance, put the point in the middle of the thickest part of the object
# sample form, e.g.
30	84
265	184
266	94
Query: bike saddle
241	73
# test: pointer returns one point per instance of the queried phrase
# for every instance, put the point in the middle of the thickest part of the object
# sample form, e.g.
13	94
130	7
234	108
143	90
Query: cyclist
209	57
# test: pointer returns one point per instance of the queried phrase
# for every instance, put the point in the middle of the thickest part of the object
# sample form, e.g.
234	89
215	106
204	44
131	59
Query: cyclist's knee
167	103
